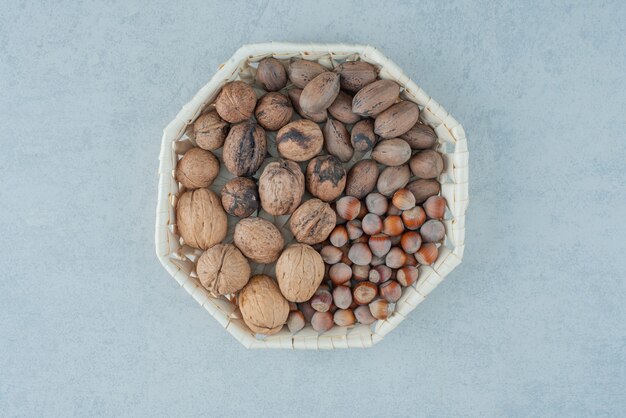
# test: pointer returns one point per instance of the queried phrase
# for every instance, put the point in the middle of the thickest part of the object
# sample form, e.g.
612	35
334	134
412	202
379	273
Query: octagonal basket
179	259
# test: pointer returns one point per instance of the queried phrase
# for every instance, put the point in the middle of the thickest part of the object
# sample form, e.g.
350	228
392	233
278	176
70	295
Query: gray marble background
531	324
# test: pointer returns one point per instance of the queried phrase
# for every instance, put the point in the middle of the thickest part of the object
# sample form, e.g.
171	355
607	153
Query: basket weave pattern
179	259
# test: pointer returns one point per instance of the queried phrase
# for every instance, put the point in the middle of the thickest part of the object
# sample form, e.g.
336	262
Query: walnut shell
294	95
420	136
362	179
422	189
210	130
312	222
200	219
337	140
273	111
325	177
271	74
240	197
397	120
244	149
320	93
427	164
222	269
362	136
392	152
300	140
258	239
354	75
299	271
393	178
281	187
302	71
198	168
341	109
236	102
375	97
262	306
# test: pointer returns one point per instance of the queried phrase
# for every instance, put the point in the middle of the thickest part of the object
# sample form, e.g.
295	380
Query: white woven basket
179	260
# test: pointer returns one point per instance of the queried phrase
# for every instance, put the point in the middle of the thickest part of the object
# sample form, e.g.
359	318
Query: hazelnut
364	293
403	199
354	75
273	111
300	140
312	222
392	179
362	212
354	229
377	261
293	306
339	236
344	317
395	258
200	219
322	321
363	315
263	307
384	272
321	300
433	231
325	177
390	291
281	187
222	269
301	72
331	254
342	296
410	260
271	74
348	207
360	272
320	92
258	239
393	226
209	131
295	321
307	310
379	309
376	203
299	271
360	254
422	189
198	168
340	273
392	210
407	275
236	102
413	218
341	109
245	148
373	276
392	152
374	98
435	207
396	120
426	164
380	244
420	136
362	178
362	239
427	254
411	242
294	95
372	224
337	140
240	197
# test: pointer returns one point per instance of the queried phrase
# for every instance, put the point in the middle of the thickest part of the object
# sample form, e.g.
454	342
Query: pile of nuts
357	177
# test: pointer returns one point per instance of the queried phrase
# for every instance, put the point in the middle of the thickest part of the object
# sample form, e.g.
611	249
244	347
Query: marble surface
531	324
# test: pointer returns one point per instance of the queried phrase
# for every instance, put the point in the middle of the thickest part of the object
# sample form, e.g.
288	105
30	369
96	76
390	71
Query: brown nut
380	244
433	231
410	260
364	293
271	74
362	136
325	177
435	207
360	272
281	187
390	291
372	224
341	109
302	71
222	269
331	254
395	258
348	207
273	111
240	197
392	152
307	310
322	321
426	164
393	210
413	218
236	102
422	189
295	321
312	222
321	300
362	179
396	120
198	168
344	317
360	254
300	140
263	307
210	131
340	273
403	199
376	203
373	276
337	140
393	226
377	261
420	136
339	236
411	241
200	219
245	148
392	179
354	229
427	254
379	309
384	272
342	297
299	271
354	75
376	97
320	93
294	95
258	239
363	315
407	275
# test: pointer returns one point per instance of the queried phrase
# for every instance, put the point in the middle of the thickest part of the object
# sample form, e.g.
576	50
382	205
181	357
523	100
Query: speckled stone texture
531	324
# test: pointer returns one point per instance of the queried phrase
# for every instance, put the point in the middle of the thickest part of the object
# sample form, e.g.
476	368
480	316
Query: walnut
244	149
198	168
240	197
299	271
200	219
263	307
210	131
236	102
281	187
273	111
222	269
258	239
312	222
325	177
300	140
